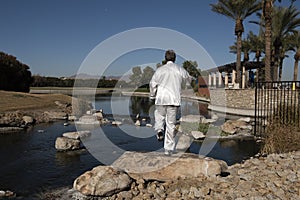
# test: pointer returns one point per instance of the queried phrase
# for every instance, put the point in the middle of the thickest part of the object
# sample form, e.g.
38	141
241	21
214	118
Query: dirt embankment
37	107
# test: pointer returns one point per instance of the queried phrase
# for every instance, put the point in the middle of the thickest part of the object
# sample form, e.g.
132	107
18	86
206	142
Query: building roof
249	65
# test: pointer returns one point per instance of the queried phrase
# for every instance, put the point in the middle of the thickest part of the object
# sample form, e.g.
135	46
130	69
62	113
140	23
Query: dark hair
170	56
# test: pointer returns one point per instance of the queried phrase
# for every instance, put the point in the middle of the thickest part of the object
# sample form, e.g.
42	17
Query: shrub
283	131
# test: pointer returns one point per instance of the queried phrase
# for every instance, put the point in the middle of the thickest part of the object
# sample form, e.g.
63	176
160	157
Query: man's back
168	80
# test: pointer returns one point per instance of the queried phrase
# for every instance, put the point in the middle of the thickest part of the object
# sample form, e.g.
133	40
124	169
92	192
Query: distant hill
88	76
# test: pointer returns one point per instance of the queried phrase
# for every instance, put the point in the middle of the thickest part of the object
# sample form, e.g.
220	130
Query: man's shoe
168	152
160	136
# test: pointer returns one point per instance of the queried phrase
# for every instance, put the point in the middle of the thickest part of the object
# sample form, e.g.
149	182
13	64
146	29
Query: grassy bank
11	101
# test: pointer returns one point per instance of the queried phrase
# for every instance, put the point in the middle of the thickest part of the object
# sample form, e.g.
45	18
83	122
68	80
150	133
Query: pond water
30	164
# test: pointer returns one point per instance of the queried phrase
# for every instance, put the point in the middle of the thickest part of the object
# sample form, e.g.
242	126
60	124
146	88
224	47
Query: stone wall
237	98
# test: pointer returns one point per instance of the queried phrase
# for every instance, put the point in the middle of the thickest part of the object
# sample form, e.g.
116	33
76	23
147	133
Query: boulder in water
66	144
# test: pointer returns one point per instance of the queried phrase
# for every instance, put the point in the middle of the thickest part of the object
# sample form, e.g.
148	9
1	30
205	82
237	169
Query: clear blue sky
54	37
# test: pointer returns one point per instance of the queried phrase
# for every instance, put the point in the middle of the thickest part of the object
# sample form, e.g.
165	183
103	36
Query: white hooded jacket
165	85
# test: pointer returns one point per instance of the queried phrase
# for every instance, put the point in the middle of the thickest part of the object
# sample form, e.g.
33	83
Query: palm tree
285	21
246	49
267	15
296	46
238	11
257	47
286	47
257	44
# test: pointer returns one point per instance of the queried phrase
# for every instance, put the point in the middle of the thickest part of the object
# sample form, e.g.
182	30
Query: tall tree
257	44
147	75
285	21
238	11
285	48
14	75
136	76
267	16
296	46
246	48
192	68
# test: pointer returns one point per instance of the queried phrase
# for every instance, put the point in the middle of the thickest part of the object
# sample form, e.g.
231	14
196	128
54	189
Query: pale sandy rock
116	123
245	119
55	115
184	141
102	181
197	135
76	134
149	125
72	118
137	123
27	120
98	115
207	121
66	144
232	126
157	166
214	116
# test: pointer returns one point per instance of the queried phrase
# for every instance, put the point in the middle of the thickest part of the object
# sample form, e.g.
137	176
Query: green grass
188	127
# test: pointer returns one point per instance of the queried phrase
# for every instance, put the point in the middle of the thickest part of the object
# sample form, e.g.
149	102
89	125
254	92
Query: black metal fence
276	101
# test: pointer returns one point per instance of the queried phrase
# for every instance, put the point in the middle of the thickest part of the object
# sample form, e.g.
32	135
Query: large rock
232	126
102	181
184	141
66	144
157	166
13	118
191	118
55	115
198	135
98	115
77	134
7	193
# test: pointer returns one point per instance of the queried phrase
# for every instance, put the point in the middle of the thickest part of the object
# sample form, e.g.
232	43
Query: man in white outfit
165	88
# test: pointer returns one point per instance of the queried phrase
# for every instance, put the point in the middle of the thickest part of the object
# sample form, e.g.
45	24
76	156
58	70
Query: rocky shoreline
276	176
18	120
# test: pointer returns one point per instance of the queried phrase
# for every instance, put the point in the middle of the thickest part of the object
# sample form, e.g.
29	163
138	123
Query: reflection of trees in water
140	105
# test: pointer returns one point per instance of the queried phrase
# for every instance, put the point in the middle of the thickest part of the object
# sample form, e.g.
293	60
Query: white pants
166	115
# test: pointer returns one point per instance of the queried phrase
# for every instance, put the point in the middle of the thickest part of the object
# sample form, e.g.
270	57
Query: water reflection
64	158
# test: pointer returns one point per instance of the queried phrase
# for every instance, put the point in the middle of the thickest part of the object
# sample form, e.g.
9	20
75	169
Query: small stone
116	123
2	193
197	135
245	119
124	195
28	120
196	192
137	123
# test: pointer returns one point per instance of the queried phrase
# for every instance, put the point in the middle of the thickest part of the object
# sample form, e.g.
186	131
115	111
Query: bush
14	75
283	131
281	138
